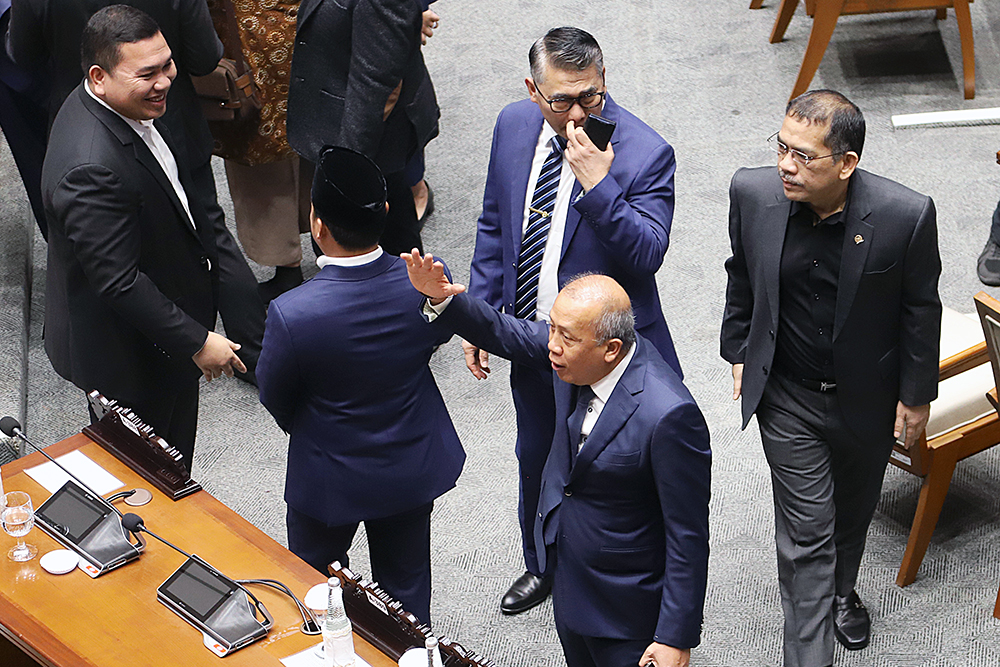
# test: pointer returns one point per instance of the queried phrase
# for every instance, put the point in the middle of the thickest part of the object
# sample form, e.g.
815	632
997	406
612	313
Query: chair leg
996	609
827	13
942	14
756	4
932	495
968	47
785	12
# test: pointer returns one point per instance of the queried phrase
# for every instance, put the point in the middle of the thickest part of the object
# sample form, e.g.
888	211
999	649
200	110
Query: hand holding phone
599	130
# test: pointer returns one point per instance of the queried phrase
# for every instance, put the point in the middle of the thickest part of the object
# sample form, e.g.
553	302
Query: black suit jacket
349	56
46	34
130	284
887	326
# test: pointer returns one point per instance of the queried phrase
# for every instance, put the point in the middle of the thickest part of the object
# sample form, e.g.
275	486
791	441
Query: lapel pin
858	239
540	212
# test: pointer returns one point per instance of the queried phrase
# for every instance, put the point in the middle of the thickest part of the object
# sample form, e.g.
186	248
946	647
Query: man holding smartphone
555	205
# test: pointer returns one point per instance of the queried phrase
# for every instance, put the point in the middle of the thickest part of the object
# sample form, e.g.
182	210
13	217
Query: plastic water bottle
433	652
338	639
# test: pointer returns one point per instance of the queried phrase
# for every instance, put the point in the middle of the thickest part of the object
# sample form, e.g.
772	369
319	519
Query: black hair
108	29
846	122
565	48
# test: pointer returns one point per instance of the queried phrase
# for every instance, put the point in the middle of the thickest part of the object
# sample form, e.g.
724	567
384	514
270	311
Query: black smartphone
599	130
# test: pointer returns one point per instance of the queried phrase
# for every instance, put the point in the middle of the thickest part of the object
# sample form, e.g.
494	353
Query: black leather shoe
988	267
852	626
526	592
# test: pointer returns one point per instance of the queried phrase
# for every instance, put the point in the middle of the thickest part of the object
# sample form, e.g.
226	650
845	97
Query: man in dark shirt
832	325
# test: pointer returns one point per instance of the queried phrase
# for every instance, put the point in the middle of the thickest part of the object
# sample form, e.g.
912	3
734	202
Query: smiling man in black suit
133	278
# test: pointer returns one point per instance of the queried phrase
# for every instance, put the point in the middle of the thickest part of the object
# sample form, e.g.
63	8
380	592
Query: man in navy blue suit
623	513
344	371
555	206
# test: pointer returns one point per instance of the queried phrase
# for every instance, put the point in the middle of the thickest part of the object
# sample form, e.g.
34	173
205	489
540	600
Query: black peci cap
348	190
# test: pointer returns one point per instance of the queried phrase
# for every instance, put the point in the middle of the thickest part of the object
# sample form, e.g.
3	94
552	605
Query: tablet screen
197	588
73	512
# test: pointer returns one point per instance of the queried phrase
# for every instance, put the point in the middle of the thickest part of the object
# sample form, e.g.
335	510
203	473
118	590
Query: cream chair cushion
962	398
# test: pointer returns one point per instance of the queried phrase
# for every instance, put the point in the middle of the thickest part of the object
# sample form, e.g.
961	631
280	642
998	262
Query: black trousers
240	306
826	483
402	230
399	547
995	227
173	416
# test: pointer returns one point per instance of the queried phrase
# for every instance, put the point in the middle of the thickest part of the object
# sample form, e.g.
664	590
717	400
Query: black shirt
809	272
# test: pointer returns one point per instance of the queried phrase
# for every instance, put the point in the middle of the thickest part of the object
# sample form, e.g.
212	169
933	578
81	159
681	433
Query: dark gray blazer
887	326
45	34
349	56
130	284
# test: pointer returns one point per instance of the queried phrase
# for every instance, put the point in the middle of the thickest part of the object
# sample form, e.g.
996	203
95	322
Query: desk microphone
12	429
133	524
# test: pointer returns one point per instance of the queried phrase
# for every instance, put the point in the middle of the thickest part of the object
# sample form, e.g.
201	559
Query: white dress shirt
602	392
548	279
151	137
356	260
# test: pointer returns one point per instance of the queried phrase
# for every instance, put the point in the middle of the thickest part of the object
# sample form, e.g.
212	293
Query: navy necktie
575	422
529	262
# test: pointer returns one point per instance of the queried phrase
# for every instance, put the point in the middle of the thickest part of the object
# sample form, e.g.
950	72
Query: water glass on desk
17	518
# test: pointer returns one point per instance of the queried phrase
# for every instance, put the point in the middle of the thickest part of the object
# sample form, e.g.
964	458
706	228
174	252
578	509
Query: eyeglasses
798	156
564	104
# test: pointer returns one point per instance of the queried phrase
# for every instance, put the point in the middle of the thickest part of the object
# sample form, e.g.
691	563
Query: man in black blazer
832	324
359	81
45	35
622	519
132	277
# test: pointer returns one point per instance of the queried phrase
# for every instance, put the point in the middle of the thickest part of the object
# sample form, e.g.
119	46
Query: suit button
539	515
568	493
765	370
771	333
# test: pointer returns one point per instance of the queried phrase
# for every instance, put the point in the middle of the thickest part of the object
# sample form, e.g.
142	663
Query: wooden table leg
756	4
996	609
932	495
827	13
785	13
968	47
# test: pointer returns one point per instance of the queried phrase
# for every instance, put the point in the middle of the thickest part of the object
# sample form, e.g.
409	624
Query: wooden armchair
963	422
826	12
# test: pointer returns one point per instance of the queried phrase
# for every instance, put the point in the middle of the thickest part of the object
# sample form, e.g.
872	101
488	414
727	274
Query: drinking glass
17	518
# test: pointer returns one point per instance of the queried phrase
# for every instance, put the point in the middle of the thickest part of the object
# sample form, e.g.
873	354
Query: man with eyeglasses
556	206
832	324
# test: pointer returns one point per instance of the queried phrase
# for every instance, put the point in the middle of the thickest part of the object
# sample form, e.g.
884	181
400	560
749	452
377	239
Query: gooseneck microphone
12	429
133	524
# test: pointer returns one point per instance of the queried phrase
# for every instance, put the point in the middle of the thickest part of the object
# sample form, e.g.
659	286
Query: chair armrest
964	360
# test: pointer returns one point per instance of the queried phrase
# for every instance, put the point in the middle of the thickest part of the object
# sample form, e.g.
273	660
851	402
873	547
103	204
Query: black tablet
72	512
197	589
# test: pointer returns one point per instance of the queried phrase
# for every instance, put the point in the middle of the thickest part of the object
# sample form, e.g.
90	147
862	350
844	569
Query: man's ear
96	77
613	349
316	226
848	165
532	91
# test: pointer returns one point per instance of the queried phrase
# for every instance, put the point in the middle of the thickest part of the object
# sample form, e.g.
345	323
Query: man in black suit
133	273
45	35
832	324
359	81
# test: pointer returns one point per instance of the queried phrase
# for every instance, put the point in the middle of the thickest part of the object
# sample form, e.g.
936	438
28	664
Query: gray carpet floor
704	76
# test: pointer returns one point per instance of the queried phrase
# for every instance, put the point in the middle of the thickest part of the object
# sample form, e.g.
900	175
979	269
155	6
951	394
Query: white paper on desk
97	478
310	658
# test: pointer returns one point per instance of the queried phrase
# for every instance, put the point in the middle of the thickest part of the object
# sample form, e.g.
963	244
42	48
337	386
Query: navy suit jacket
626	520
344	371
887	326
620	228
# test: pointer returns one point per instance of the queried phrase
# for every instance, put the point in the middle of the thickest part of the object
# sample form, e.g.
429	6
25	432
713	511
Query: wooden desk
115	620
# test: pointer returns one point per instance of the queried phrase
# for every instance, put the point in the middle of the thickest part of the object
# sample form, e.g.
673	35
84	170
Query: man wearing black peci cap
344	371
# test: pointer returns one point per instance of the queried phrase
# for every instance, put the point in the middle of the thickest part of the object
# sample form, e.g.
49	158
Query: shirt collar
141	127
603	387
357	260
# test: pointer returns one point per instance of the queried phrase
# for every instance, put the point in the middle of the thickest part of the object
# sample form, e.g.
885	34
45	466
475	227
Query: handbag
229	93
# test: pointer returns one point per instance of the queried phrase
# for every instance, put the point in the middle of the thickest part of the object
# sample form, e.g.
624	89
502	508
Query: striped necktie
529	262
